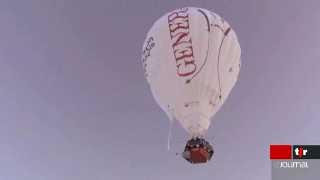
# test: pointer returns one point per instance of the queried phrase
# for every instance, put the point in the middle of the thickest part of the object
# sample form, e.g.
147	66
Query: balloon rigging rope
170	134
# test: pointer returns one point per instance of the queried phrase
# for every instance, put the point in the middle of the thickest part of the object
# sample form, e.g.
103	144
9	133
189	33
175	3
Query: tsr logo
300	152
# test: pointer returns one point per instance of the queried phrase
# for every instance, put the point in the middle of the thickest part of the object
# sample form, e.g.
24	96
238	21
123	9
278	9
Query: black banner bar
306	151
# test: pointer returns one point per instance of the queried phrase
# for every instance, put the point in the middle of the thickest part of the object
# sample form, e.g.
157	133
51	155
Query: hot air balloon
191	60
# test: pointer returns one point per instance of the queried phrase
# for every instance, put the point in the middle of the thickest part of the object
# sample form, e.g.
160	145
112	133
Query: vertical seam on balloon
207	19
208	44
219	54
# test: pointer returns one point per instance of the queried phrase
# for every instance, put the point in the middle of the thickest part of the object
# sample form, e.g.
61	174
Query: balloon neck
196	124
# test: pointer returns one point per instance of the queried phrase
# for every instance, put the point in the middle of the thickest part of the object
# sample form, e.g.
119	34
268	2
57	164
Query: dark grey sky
75	104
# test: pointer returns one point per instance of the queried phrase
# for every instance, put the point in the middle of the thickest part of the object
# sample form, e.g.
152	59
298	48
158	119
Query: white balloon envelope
191	58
